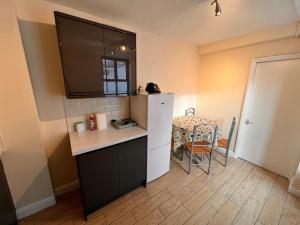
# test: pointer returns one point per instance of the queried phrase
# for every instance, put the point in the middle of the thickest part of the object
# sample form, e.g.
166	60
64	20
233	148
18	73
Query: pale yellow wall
266	35
24	161
173	65
223	80
43	59
224	75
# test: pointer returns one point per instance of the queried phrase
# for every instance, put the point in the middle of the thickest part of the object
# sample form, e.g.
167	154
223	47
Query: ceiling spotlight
218	7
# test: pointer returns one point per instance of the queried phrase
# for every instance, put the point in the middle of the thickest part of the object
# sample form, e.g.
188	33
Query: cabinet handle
162	103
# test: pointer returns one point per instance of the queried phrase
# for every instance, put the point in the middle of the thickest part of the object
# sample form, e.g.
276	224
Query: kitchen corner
112	162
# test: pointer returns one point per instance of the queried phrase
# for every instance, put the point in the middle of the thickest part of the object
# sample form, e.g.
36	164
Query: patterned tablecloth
183	129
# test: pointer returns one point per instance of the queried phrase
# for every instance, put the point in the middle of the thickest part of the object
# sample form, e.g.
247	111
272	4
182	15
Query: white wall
25	163
173	65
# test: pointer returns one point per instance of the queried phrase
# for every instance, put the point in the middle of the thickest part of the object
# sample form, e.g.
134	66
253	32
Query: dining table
182	130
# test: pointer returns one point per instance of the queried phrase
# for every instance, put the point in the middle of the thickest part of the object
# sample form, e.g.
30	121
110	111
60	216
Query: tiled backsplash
77	110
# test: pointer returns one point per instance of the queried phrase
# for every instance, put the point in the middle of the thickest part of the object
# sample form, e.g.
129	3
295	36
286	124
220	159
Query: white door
160	115
269	130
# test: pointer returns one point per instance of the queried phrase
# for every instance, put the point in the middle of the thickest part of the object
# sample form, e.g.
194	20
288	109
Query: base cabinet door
110	172
132	164
99	181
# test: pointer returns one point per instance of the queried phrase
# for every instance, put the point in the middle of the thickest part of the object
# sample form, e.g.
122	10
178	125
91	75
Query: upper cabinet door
82	50
119	61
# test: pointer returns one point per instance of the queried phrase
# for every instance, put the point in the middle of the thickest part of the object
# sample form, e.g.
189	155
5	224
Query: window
115	76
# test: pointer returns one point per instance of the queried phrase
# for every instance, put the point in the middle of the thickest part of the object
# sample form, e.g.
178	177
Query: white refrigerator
155	112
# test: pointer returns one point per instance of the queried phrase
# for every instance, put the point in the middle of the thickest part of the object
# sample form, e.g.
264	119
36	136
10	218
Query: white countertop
92	140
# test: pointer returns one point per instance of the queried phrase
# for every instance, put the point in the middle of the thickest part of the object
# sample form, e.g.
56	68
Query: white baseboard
293	190
35	207
47	202
66	188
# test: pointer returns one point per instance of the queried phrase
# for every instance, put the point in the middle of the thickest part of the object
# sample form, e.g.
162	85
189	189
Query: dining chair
225	143
190	111
200	148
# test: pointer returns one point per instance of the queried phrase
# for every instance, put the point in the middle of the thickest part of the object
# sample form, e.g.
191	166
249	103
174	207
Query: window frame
115	80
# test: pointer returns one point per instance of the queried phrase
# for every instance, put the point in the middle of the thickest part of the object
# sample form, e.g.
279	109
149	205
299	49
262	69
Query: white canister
80	127
101	121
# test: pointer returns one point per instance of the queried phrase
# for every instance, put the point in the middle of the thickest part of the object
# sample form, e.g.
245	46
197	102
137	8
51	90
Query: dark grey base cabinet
111	172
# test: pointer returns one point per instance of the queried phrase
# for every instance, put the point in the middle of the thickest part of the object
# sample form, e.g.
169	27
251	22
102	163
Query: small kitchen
78	93
139	112
120	140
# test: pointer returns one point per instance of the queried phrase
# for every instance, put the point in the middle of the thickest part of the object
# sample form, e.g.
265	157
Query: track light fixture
218	7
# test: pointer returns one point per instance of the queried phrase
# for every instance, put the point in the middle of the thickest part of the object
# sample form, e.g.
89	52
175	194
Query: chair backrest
190	111
231	131
197	132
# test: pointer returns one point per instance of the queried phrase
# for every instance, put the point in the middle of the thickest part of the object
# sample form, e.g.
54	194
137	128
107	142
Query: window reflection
115	76
109	69
109	87
121	69
122	87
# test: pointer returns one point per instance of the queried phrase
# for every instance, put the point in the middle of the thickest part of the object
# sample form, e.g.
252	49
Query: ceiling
192	21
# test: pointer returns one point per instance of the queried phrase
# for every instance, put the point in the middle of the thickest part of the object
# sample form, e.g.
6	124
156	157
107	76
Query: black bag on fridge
152	88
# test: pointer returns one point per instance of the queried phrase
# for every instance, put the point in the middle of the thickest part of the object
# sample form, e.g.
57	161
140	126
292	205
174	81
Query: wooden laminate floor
241	194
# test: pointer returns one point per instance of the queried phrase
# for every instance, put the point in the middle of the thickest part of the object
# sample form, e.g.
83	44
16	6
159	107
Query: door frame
250	82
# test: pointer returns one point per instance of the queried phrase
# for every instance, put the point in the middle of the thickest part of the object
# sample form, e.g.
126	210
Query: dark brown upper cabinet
97	60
